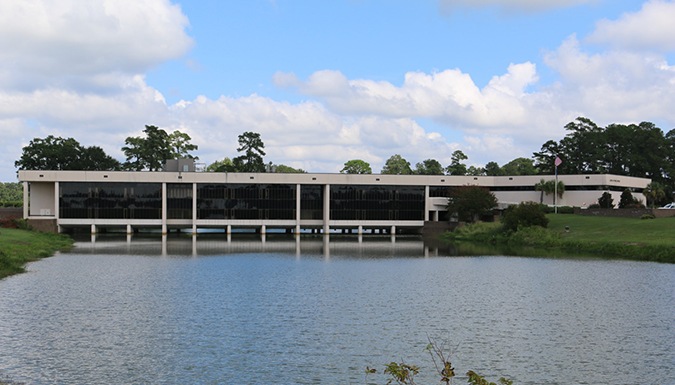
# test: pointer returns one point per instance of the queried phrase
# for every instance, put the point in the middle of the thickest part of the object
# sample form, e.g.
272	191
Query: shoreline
624	238
18	247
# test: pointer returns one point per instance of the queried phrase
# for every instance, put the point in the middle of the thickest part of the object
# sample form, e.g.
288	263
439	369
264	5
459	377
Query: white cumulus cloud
448	96
613	86
71	43
651	28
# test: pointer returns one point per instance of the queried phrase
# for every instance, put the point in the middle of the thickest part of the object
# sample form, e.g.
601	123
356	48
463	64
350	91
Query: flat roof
36	176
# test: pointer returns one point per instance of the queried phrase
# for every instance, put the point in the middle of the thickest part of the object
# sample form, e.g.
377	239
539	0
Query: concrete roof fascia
317	178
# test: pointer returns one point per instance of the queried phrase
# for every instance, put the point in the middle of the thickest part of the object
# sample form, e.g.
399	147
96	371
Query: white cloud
71	43
85	81
449	96
651	28
613	86
306	134
526	5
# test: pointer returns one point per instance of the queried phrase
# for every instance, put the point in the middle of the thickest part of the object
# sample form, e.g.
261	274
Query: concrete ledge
625	213
46	225
434	228
6	212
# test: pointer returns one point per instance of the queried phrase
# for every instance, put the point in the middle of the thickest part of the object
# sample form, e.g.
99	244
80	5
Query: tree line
397	165
640	150
147	152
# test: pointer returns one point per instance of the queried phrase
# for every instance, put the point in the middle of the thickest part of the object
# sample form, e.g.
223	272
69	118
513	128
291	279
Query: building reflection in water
308	245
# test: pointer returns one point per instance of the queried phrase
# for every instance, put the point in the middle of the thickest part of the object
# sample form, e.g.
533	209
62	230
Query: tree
282	168
493	169
475	171
56	153
548	187
429	167
456	167
252	160
93	158
396	165
545	159
541	186
181	146
149	152
519	166
356	166
11	191
654	193
525	214
224	165
627	200
606	201
469	201
584	147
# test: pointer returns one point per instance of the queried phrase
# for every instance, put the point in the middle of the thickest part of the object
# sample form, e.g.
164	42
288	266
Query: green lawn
20	246
623	230
639	239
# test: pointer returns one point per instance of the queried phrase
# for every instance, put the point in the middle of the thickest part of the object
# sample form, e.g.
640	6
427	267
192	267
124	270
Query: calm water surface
309	311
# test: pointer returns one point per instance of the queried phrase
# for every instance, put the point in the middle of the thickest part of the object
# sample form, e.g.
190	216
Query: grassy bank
20	246
647	240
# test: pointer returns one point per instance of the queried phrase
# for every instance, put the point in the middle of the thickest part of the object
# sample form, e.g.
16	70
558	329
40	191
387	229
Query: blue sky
328	81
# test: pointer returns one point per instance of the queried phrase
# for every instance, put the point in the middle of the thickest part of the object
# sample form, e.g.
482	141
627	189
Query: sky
327	81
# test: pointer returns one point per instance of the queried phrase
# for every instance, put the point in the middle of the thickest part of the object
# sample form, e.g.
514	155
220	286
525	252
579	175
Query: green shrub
647	216
11	203
606	201
628	201
526	214
546	209
535	235
594	206
566	210
470	201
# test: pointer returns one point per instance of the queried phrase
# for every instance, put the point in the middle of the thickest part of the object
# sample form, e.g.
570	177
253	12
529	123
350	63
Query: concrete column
93	229
229	229
263	229
129	230
194	209
297	208
426	203
57	195
393	230
25	200
163	208
326	208
360	230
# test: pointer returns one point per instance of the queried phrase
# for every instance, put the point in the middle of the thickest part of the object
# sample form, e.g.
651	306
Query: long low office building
60	200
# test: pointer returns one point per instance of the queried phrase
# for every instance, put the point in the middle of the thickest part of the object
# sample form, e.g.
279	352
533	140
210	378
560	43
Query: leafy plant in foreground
404	374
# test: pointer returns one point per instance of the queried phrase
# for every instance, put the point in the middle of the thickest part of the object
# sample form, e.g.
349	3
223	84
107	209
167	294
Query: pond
245	309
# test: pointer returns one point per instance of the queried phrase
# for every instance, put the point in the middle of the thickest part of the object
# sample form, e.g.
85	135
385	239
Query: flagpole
555	196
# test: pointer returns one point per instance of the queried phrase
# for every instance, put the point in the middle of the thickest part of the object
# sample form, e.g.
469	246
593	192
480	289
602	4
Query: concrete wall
6	212
626	213
42	199
370	179
435	228
46	225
